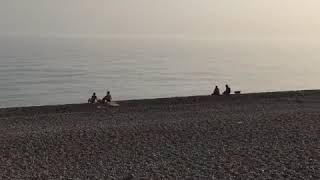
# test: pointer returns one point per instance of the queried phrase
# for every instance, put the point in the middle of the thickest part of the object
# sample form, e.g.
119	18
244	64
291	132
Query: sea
58	70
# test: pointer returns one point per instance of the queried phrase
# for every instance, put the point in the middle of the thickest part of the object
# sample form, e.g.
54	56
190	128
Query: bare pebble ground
256	136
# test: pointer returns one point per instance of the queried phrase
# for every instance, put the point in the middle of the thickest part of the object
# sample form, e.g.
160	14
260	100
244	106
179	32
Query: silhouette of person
216	91
227	91
93	98
107	98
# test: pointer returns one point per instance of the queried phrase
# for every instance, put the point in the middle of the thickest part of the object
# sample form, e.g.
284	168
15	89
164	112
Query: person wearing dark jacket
227	91
107	98
216	91
93	98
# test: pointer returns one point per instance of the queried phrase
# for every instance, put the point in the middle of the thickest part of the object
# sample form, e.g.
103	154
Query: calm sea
68	70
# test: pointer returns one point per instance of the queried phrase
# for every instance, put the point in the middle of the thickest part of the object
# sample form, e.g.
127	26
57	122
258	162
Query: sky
203	18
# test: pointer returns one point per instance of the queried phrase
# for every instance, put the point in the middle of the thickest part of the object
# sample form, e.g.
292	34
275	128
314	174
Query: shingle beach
249	136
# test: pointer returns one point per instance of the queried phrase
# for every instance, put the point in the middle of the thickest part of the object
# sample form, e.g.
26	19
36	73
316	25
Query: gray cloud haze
207	18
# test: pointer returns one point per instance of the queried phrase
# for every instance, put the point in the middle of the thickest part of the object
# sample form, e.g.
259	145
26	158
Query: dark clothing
93	99
216	92
227	91
107	98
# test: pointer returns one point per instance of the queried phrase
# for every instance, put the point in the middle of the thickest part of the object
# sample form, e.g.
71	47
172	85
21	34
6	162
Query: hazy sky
206	18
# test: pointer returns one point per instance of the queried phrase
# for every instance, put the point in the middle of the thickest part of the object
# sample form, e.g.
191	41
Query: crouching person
93	99
107	98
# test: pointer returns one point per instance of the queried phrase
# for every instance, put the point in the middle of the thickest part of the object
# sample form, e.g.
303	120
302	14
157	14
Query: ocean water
42	71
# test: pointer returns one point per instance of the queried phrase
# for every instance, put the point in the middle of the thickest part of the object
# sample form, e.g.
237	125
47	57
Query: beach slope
249	136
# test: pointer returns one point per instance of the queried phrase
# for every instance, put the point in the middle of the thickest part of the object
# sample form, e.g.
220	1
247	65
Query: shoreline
271	135
255	94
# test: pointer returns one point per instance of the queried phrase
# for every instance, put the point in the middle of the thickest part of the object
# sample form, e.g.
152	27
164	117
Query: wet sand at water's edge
250	136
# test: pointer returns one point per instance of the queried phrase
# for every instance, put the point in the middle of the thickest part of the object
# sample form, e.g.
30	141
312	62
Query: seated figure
227	91
216	91
107	98
93	99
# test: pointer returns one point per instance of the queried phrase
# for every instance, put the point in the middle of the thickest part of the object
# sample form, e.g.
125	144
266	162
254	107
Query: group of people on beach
216	91
105	99
108	98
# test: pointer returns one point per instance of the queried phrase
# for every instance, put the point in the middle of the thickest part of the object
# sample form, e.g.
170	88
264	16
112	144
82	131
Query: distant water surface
41	71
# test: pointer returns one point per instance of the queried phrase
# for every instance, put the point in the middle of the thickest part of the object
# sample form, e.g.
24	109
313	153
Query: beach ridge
249	136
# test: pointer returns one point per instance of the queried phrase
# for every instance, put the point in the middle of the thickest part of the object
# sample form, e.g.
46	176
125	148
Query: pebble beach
249	136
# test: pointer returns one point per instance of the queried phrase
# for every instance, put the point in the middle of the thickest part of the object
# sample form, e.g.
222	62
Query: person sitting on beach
107	98
227	91
93	98
216	91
